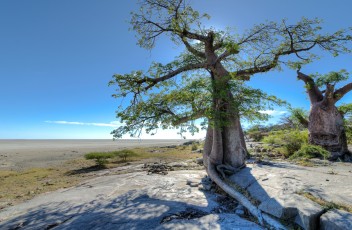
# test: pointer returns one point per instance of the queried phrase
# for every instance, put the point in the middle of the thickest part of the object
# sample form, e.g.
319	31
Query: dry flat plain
32	167
24	154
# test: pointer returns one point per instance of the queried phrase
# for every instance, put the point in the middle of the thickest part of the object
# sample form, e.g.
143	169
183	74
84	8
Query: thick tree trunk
225	146
326	129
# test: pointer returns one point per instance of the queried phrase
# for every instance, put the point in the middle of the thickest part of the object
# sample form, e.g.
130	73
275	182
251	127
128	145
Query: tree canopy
315	84
177	93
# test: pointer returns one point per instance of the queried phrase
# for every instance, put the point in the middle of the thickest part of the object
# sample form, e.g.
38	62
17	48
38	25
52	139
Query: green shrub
291	140
256	135
124	154
194	147
271	139
101	158
310	151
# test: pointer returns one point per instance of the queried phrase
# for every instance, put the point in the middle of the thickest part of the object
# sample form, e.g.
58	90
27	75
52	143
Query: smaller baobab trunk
326	124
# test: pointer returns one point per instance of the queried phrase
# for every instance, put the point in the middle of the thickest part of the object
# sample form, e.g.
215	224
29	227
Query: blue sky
56	58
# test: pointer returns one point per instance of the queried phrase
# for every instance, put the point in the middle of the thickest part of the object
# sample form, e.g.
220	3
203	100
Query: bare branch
313	91
274	62
192	50
339	93
193	116
329	94
153	81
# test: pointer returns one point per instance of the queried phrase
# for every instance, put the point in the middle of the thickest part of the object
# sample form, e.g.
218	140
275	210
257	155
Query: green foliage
178	93
101	158
180	105
194	147
124	154
348	129
310	151
330	78
299	117
291	140
163	12
255	135
345	110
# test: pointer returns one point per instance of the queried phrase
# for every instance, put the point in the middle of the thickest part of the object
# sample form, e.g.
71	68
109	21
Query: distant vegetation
125	154
101	158
289	137
310	151
289	140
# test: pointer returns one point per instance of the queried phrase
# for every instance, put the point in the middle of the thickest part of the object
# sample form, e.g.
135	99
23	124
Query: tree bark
326	125
225	146
225	143
326	129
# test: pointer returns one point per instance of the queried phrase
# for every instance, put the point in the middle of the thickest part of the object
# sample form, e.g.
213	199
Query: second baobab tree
325	123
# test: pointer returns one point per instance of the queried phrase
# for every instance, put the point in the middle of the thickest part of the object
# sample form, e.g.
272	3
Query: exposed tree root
263	218
227	169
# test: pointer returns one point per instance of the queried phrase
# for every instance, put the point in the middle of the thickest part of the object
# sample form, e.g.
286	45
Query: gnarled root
262	217
227	169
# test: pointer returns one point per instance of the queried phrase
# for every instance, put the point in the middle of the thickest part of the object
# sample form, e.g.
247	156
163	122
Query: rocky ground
183	199
303	196
179	195
176	196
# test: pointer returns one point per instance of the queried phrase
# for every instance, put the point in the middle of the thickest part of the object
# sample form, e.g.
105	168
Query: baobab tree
206	80
220	61
325	123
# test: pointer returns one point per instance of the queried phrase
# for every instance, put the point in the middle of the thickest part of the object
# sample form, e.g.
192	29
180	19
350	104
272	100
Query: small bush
290	140
124	154
194	147
101	158
256	135
310	151
271	139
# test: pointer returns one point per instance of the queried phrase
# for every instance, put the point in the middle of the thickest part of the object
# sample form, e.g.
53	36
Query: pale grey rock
193	183
336	219
212	222
283	207
309	213
178	164
197	151
295	208
199	161
243	178
261	193
276	187
205	187
126	201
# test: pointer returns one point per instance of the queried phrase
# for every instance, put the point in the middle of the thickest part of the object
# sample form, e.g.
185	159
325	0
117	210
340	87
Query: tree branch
259	69
153	81
191	49
191	117
329	95
313	91
339	93
190	35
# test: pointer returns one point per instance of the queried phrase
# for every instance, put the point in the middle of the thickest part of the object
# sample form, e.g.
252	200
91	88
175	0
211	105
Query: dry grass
326	204
18	186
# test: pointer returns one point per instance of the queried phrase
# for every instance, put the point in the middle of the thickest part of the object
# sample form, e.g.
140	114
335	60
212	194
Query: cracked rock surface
276	188
127	201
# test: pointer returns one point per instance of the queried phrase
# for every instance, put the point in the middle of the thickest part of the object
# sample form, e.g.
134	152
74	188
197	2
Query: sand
24	154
